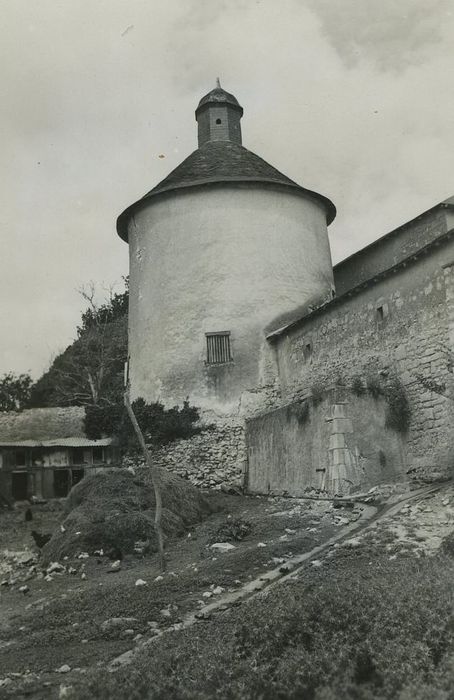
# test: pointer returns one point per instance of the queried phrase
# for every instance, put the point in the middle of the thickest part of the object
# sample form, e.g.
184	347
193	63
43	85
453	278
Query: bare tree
90	371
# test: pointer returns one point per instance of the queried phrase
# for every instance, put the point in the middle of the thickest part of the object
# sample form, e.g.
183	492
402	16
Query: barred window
218	348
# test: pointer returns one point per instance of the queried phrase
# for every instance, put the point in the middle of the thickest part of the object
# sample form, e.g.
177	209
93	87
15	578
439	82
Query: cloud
348	98
392	34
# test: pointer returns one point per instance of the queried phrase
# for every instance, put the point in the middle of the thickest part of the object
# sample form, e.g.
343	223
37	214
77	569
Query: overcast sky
352	98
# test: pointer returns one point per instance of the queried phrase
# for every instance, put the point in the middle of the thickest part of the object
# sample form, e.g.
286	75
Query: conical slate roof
217	95
220	161
217	162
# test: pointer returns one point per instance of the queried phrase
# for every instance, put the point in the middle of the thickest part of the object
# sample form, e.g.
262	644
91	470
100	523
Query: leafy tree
15	391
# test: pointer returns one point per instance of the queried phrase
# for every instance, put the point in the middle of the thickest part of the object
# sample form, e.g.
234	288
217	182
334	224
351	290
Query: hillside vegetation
90	373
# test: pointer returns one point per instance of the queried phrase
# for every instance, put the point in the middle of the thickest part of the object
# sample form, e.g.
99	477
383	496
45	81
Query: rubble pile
212	459
17	567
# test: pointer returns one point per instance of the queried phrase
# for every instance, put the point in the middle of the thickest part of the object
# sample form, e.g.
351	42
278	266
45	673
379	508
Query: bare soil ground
52	632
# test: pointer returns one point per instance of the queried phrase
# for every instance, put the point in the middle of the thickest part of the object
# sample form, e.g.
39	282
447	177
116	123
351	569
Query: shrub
300	411
447	546
398	414
358	387
235	529
317	394
159	425
374	387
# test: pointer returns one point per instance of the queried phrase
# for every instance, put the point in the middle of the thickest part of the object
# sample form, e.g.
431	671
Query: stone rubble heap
213	459
17	567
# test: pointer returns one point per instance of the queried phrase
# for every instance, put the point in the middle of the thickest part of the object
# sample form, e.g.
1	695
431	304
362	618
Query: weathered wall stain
411	337
338	446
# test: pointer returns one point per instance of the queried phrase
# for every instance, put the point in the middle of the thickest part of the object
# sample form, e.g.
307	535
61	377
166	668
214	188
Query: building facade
234	304
386	335
44	452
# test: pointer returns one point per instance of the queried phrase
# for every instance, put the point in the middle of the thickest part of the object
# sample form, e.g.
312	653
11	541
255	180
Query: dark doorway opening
77	475
98	455
61	482
19	486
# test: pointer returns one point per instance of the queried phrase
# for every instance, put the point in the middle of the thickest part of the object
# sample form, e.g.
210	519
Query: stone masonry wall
402	326
214	457
339	443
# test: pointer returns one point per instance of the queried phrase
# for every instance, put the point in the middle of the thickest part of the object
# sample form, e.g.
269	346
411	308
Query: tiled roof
46	427
217	162
220	160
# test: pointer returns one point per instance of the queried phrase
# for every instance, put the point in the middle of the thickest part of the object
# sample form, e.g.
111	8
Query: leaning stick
155	479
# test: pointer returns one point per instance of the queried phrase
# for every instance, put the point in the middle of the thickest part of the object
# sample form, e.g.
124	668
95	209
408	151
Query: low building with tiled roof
45	451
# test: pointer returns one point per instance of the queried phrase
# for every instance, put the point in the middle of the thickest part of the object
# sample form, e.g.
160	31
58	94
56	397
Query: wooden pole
155	479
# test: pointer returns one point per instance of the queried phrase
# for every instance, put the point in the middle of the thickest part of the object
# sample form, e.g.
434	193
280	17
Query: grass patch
357	628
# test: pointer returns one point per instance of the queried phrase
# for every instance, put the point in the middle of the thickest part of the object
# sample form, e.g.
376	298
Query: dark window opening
77	475
21	458
98	455
218	348
381	311
61	482
37	458
78	455
218	121
19	485
307	351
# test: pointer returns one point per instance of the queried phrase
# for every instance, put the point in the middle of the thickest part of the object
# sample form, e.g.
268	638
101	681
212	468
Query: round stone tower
222	251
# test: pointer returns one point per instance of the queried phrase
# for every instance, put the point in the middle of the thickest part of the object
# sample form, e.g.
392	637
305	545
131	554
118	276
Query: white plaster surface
212	259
